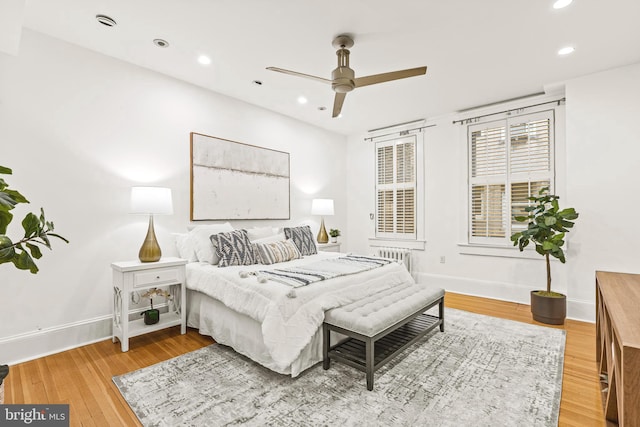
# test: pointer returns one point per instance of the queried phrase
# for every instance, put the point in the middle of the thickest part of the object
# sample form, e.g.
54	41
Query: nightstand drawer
160	276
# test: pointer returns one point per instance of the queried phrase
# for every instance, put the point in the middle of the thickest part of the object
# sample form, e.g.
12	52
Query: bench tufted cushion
375	313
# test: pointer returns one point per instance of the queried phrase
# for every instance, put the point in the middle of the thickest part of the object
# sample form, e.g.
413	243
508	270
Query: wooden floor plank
82	377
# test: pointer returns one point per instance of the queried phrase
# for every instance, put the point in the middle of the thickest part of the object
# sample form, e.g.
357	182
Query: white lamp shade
322	207
151	200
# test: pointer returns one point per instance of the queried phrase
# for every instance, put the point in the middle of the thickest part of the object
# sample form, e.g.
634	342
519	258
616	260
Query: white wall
602	149
79	129
603	173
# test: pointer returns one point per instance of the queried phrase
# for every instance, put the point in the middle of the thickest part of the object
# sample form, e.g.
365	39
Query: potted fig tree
21	252
546	228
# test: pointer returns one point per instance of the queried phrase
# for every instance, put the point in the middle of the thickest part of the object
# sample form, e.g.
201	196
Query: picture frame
232	180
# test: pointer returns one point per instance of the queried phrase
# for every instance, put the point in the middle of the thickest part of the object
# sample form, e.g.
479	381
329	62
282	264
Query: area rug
482	371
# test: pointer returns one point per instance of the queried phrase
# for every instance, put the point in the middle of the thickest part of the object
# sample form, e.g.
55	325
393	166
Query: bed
275	324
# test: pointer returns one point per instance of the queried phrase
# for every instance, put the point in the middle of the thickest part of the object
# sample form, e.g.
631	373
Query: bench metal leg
370	358
326	343
441	310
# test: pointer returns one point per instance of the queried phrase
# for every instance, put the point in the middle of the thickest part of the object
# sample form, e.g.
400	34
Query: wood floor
82	377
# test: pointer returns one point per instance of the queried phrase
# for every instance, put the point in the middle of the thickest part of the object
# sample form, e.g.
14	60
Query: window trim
508	178
417	242
496	112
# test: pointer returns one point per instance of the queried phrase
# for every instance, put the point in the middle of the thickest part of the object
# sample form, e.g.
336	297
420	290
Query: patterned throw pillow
271	253
303	239
233	248
201	236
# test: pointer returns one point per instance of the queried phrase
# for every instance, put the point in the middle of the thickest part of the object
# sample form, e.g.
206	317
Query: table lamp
151	200
322	207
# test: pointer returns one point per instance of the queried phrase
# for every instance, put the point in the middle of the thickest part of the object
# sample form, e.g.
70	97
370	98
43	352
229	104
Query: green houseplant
546	228
37	231
334	233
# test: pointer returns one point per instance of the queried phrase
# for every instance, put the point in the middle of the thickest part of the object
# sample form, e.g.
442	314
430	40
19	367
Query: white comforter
288	324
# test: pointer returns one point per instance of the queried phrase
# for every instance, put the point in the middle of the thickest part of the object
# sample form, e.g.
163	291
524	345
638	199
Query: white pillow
186	247
255	233
202	243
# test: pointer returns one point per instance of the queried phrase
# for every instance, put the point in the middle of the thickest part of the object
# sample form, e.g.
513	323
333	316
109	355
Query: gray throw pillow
303	238
233	248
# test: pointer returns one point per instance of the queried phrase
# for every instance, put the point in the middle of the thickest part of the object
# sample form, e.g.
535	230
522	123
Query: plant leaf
5	220
35	250
7	251
24	262
31	225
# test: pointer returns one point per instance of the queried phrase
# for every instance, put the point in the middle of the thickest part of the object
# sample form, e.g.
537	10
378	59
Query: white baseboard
32	345
576	309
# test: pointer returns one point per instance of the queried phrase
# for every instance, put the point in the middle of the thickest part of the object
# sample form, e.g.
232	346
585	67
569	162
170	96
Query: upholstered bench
381	326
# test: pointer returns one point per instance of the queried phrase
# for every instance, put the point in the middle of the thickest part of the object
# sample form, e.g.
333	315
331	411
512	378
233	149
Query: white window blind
396	188
510	160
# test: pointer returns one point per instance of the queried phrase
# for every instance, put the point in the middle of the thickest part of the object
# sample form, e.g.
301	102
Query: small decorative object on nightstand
130	276
329	247
152	315
334	233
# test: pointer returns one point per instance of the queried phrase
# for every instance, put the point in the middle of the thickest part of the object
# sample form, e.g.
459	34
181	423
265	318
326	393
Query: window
510	160
396	188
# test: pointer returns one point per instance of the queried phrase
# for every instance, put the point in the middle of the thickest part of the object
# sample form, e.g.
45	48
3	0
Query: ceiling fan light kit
343	79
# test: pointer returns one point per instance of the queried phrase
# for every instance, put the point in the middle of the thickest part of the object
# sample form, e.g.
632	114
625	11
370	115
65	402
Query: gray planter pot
549	310
4	371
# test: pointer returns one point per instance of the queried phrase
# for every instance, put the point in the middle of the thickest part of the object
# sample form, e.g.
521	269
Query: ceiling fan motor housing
342	78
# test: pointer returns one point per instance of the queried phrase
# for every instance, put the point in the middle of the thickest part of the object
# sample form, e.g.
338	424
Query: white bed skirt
244	334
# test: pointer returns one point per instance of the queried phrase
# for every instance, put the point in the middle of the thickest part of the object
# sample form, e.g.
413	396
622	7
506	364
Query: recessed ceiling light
106	20
566	50
204	60
559	4
302	100
161	43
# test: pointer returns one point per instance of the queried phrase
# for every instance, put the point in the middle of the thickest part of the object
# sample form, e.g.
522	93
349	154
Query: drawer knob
157	277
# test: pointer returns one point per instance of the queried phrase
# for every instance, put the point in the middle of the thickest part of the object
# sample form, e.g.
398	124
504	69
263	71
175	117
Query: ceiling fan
343	79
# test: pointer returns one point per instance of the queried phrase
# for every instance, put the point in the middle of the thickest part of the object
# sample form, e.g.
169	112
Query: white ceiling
477	52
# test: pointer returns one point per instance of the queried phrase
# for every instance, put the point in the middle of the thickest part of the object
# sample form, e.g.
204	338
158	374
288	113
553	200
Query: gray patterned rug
482	371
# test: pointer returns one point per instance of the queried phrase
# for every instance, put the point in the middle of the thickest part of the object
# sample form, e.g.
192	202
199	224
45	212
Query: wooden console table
618	346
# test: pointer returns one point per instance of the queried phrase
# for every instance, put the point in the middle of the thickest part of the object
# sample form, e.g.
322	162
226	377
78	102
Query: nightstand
329	247
130	276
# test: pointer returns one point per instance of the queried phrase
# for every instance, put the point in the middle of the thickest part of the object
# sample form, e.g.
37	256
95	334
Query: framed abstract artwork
231	180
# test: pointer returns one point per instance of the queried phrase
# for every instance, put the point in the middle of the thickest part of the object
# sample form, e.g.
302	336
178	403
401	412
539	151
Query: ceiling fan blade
337	103
387	77
295	73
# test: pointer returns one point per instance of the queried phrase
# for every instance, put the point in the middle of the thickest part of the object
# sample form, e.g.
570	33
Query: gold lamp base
150	250
323	237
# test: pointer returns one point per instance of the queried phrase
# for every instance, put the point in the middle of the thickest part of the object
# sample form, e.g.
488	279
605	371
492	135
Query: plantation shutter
396	188
510	160
488	176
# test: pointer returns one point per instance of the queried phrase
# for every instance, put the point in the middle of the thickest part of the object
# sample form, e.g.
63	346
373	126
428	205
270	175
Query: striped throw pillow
272	253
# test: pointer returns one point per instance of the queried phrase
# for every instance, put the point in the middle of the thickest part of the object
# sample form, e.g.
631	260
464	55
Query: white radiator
401	255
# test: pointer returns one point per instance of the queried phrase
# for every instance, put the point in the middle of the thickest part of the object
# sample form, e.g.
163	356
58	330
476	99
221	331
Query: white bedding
289	324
